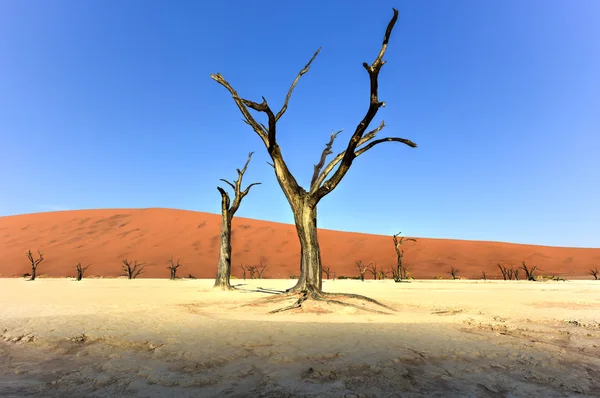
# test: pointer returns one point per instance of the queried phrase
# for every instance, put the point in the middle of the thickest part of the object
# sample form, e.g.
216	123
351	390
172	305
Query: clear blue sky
109	104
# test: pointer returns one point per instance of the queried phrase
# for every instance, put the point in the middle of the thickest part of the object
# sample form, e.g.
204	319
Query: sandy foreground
161	338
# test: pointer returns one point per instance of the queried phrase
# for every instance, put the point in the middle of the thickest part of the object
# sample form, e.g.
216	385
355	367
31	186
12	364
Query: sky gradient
110	104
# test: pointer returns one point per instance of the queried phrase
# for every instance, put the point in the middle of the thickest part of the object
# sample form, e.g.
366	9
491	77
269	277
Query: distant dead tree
80	270
362	269
509	273
173	268
34	263
261	272
595	272
327	271
503	270
254	271
131	271
373	270
529	271
400	273
483	275
453	272
303	202
228	209
382	274
243	270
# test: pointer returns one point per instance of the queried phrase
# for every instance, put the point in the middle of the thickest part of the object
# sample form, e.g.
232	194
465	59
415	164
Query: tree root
322	296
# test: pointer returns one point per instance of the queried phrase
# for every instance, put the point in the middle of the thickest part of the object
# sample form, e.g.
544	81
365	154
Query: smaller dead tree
382	274
454	273
529	271
595	273
504	271
34	263
509	273
261	272
80	270
243	270
400	273
483	276
173	268
327	271
228	210
362	269
131	271
373	270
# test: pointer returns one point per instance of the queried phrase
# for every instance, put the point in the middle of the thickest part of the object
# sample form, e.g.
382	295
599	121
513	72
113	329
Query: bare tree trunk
310	278
224	266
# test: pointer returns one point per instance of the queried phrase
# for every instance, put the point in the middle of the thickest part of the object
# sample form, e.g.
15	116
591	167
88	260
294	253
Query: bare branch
289	94
374	105
241	104
317	183
227	182
326	152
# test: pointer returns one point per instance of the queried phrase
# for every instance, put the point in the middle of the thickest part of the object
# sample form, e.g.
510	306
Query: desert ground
161	338
103	238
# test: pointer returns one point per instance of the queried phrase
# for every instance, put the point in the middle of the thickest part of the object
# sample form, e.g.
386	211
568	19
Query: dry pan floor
160	338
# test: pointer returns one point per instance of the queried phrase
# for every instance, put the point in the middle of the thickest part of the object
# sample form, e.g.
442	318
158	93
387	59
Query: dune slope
104	237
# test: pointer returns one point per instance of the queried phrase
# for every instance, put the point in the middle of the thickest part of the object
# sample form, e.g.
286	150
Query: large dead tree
34	263
401	272
228	209
326	176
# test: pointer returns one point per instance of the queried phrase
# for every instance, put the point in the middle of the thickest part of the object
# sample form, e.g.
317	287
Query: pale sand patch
155	338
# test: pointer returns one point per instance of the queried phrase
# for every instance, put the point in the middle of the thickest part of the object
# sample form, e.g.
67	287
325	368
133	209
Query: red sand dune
104	237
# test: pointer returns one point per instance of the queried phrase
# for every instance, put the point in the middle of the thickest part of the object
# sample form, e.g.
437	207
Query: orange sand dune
104	237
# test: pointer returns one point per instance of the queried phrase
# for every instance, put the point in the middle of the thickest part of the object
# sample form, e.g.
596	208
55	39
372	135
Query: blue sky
109	104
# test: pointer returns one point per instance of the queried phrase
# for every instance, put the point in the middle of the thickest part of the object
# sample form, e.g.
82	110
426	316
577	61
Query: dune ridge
104	237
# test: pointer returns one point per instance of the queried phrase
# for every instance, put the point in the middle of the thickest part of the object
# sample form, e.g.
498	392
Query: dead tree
261	272
483	275
173	268
34	263
509	273
382	274
228	209
80	270
454	273
401	272
529	271
304	202
362	270
243	270
373	270
131	271
595	272
504	271
327	271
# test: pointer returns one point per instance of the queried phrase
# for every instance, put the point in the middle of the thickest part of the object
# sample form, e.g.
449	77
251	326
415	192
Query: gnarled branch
374	105
366	138
289	94
226	206
326	152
